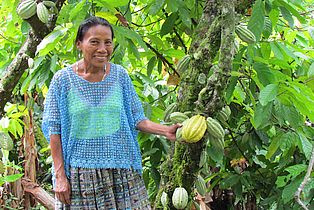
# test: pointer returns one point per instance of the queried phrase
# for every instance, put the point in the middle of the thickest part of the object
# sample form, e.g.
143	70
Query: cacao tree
195	57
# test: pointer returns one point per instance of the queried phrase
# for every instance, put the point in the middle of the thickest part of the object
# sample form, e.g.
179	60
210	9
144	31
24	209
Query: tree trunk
215	33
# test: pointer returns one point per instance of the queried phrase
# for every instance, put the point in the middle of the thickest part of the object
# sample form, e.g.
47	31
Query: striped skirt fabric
106	189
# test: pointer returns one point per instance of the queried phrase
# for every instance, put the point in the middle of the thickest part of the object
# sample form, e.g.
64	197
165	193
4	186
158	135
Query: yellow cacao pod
42	12
214	128
180	198
194	128
178	117
26	9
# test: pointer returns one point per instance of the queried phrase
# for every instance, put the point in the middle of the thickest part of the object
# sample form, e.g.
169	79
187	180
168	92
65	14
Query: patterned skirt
106	189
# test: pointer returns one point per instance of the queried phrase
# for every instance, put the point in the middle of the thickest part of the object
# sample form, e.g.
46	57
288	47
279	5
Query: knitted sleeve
51	123
134	102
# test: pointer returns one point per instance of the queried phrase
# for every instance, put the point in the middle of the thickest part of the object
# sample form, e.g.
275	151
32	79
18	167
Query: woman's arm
62	188
148	126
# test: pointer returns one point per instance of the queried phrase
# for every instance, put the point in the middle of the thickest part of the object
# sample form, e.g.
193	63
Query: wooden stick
39	193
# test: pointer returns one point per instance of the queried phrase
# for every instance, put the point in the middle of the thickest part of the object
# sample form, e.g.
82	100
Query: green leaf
289	190
173	53
185	16
296	170
134	49
230	181
12	178
150	66
292	11
274	145
311	70
256	22
305	146
268	94
264	74
50	41
276	50
114	3
156	6
287	15
262	115
168	25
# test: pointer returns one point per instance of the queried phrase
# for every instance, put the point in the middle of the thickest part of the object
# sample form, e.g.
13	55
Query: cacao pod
178	117
223	115
49	3
171	108
42	12
194	129
245	34
183	64
200	185
267	27
215	129
180	198
26	9
6	142
164	199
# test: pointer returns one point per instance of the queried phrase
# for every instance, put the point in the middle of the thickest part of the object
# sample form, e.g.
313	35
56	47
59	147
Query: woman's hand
148	126
63	190
171	132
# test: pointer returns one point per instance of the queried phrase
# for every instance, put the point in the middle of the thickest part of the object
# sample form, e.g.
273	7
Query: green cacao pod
26	9
164	199
223	114
180	198
267	27
183	64
42	12
6	142
245	34
171	108
49	3
215	129
200	185
178	117
194	129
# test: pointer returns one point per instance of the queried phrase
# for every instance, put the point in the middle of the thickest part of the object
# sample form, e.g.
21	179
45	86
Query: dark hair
90	22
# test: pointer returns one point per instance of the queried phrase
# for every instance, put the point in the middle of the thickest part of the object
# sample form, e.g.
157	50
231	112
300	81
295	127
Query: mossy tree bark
211	55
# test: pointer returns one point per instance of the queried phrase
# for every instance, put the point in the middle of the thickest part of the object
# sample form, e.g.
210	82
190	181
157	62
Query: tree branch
305	180
19	64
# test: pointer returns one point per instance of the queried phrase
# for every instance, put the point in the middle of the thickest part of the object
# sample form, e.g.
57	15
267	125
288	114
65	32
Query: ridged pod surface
183	64
214	128
180	198
164	199
194	128
42	12
171	108
178	117
245	34
26	9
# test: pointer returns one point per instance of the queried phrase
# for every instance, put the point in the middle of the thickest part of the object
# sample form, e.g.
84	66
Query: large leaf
168	25
305	146
50	41
262	116
268	94
256	23
264	74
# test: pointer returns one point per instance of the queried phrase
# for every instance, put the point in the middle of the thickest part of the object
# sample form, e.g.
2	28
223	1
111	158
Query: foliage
270	92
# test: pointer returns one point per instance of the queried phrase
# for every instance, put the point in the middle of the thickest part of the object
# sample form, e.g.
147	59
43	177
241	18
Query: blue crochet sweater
96	120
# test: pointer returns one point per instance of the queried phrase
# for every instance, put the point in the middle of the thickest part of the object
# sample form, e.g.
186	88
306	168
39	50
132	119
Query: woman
91	118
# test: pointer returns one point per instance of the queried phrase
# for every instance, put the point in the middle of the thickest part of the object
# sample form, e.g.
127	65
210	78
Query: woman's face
96	46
